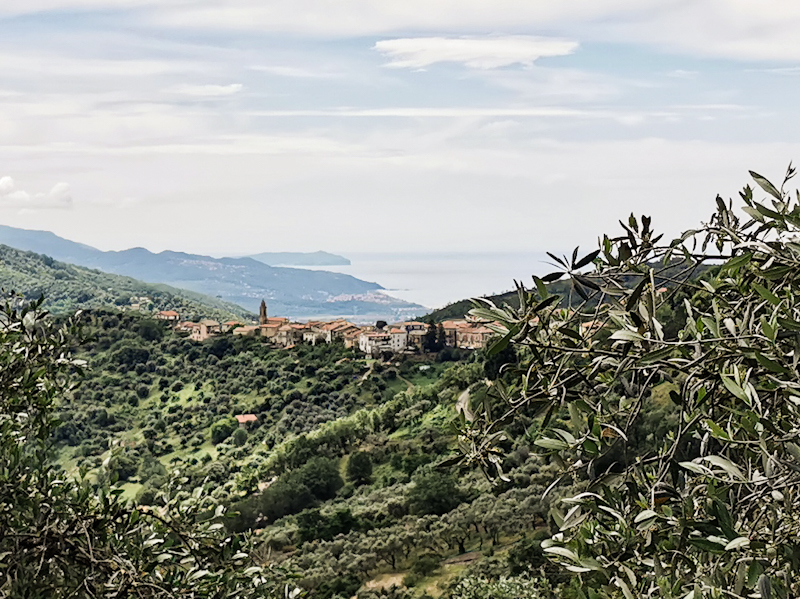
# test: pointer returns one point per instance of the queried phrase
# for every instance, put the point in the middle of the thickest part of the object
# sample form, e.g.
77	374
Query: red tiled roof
245	418
168	313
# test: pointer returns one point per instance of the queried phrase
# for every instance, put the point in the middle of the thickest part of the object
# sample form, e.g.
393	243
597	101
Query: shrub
223	428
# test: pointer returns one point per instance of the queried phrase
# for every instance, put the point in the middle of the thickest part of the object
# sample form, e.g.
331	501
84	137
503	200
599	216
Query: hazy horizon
232	127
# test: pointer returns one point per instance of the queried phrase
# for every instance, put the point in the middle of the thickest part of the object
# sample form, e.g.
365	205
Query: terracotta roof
245	418
231	323
482	330
209	323
168	313
398	332
271	325
246	329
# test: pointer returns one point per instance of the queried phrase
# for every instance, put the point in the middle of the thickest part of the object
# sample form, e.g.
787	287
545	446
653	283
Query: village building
187	326
451	328
411	325
168	315
350	338
208	328
474	337
398	339
262	312
270	329
231	324
247	330
338	329
245	419
314	332
140	303
416	338
290	334
375	342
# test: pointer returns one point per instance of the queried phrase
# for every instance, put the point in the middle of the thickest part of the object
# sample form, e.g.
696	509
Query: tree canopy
61	537
708	506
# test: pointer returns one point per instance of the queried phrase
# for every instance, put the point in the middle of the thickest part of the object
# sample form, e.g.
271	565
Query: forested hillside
67	288
641	442
245	281
337	469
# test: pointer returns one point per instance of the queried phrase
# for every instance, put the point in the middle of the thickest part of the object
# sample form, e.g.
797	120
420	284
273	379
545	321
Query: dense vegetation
337	471
62	537
638	435
708	507
340	473
67	288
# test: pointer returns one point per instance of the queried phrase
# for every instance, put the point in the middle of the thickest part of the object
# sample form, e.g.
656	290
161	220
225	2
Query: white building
375	342
399	339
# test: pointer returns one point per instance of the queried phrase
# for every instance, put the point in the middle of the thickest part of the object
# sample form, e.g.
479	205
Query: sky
229	127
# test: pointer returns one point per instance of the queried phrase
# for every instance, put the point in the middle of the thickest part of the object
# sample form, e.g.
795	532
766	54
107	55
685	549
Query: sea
437	279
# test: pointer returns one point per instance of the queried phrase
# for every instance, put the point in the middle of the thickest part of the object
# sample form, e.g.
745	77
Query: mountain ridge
68	287
293	292
318	258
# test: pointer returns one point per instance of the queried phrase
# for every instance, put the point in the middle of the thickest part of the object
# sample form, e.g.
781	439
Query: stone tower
262	313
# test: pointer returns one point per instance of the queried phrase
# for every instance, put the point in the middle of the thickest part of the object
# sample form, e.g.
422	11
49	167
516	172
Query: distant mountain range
67	288
301	259
292	292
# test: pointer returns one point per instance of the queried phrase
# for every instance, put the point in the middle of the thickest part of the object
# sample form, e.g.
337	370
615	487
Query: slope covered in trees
640	443
708	507
292	292
338	471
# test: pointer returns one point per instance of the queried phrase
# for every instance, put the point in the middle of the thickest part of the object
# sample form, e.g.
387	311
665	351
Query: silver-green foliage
712	509
61	537
505	587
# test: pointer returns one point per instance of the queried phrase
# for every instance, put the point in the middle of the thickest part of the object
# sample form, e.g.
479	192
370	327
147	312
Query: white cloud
433	112
742	29
206	91
19	62
6	186
474	52
59	196
294	72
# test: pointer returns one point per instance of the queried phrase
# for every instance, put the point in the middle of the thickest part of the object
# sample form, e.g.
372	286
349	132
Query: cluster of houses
395	338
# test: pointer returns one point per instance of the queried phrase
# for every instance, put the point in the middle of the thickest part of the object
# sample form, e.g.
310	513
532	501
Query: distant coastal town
408	336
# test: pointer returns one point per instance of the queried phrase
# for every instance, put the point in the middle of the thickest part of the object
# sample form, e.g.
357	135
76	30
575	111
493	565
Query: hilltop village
467	333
